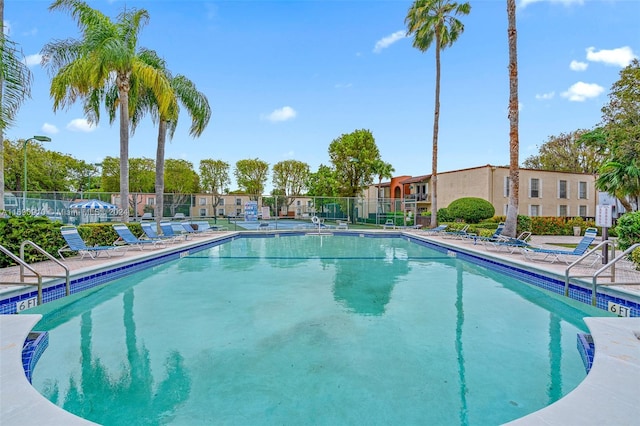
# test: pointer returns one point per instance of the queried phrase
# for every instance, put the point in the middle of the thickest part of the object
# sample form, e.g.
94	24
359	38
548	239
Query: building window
506	186
203	201
220	212
297	202
534	188
238	202
562	189
534	210
151	201
582	211
238	212
203	212
563	210
582	190
221	202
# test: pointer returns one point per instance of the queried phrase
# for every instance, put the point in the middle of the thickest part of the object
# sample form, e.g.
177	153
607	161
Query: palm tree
195	103
383	171
434	21
622	179
104	57
15	87
511	223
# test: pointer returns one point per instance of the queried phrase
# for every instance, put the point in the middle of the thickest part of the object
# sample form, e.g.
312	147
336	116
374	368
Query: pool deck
608	395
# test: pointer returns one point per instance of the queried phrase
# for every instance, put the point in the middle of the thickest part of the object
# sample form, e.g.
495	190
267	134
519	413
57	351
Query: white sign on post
603	216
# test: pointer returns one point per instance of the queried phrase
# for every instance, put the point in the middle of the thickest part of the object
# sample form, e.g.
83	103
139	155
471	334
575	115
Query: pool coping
615	372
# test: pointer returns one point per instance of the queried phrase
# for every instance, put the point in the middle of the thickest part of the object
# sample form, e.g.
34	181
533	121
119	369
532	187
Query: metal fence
75	207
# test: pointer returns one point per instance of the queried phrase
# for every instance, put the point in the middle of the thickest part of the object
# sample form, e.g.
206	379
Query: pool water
311	330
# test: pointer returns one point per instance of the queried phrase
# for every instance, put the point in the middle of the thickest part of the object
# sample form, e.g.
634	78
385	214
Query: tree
105	56
622	179
323	183
180	180
214	179
568	152
15	87
251	175
185	92
434	21
511	223
353	156
621	129
383	171
110	179
289	179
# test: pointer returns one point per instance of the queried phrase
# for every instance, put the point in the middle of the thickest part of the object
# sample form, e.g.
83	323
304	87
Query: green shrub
14	230
471	209
628	230
635	257
444	216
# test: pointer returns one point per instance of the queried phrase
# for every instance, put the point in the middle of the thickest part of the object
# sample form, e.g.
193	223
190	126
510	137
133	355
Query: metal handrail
579	260
612	265
22	263
50	257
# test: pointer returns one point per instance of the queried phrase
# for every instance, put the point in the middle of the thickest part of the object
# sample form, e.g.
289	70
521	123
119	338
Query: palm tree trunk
1	128
511	223
162	137
124	149
434	153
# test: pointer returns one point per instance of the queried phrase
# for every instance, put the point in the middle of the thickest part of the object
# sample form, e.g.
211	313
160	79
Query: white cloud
32	60
387	41
343	85
525	3
282	114
80	125
545	96
49	129
578	66
580	91
289	155
622	56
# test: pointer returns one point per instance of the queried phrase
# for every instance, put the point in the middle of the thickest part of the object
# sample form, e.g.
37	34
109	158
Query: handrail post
50	257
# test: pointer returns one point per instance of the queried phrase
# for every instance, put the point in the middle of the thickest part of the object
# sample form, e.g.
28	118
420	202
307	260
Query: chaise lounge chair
434	231
509	244
389	224
567	256
127	238
150	230
168	231
75	243
459	234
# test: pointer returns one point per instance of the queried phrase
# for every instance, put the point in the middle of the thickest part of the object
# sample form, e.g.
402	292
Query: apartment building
542	192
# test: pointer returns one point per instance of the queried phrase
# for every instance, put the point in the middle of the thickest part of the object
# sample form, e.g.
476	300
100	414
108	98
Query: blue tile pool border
546	282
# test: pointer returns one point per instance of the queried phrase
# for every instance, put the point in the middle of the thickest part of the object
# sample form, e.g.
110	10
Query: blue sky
286	78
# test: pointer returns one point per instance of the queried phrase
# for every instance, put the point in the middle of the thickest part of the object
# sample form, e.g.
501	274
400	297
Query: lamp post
24	148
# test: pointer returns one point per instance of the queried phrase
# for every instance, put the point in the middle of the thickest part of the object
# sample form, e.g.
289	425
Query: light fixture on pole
24	148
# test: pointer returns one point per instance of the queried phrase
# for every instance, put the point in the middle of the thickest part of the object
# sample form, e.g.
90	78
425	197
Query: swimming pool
311	329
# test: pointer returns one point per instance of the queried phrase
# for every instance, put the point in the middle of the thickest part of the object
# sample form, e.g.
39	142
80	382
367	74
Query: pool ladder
608	266
27	271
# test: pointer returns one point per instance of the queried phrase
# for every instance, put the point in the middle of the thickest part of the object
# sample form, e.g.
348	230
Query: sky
286	78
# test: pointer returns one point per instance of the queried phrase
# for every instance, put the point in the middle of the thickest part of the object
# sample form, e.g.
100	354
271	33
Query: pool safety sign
603	216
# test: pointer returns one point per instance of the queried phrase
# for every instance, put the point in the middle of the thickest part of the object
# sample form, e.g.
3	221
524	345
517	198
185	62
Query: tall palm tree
434	21
383	171
511	223
15	87
106	55
194	101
